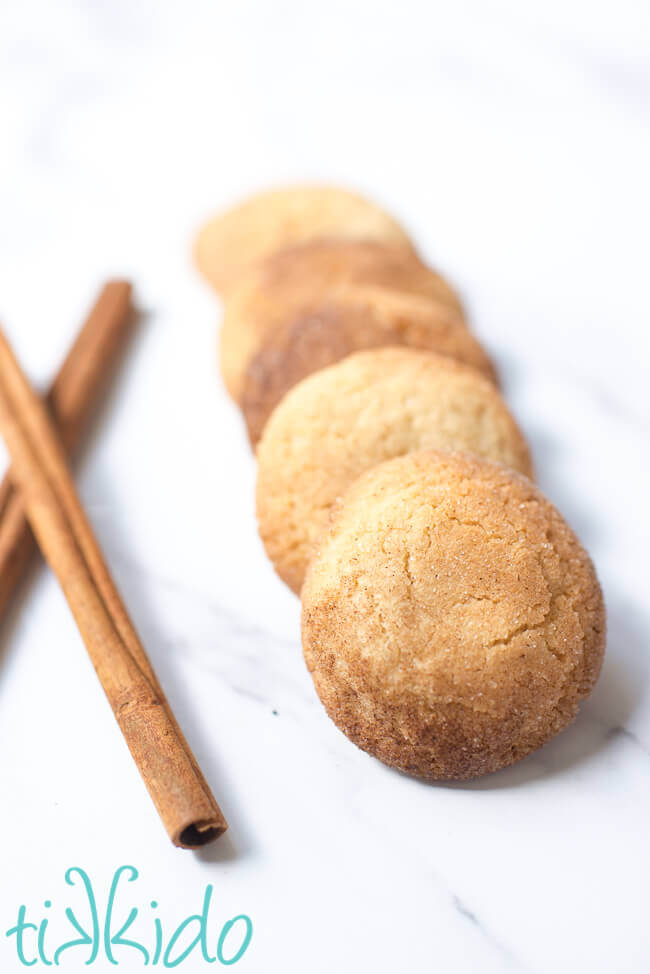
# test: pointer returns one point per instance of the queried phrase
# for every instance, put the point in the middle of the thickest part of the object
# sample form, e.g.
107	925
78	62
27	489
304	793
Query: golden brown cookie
452	622
354	319
323	264
298	280
232	241
351	416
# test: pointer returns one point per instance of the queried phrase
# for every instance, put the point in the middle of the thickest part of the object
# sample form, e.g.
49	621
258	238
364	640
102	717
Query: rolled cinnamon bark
39	471
75	390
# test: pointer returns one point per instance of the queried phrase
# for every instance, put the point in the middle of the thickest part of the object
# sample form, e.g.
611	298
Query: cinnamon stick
76	388
39	471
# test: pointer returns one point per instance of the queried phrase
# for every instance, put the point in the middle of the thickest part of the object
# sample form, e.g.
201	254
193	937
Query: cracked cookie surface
345	419
451	620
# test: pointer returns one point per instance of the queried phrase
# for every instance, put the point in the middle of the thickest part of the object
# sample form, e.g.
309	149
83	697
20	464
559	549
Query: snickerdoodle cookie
349	417
234	240
297	281
352	319
452	622
323	264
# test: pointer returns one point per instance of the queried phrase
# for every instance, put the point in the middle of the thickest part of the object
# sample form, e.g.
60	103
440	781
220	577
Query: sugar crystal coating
452	622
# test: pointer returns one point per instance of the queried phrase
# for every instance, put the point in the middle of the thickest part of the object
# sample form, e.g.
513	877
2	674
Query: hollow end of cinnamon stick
39	471
197	834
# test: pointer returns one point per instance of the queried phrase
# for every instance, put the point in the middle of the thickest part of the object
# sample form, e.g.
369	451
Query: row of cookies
451	620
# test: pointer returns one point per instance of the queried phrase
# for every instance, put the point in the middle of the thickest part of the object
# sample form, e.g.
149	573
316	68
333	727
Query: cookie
349	417
452	622
348	321
258	226
323	264
299	279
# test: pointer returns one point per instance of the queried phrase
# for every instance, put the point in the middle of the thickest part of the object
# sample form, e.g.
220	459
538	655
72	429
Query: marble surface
513	141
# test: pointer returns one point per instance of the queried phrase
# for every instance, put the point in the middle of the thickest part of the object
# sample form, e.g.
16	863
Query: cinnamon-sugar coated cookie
297	281
351	319
324	264
452	622
353	415
262	224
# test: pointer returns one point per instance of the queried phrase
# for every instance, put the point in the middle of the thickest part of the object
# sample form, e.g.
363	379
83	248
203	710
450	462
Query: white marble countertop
513	140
